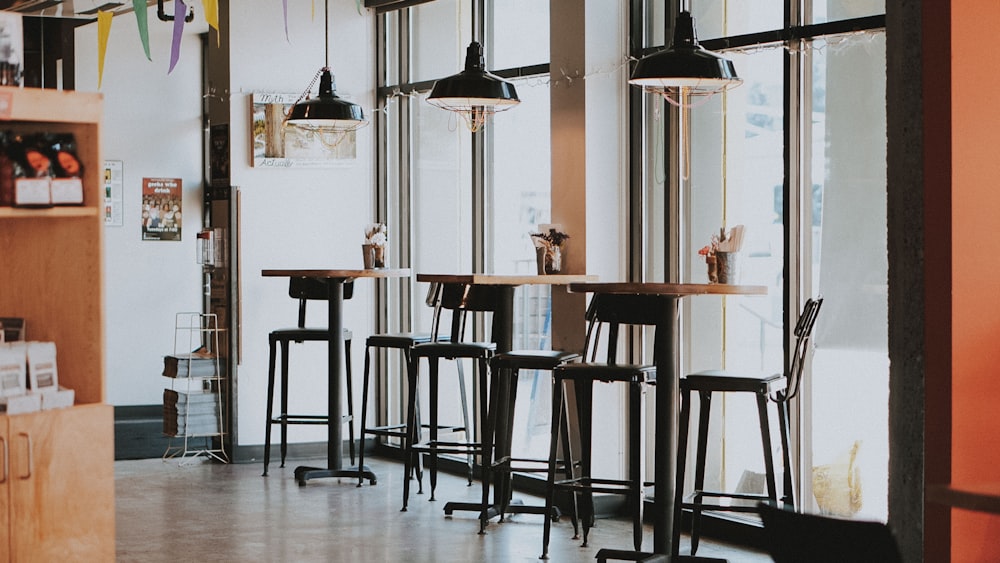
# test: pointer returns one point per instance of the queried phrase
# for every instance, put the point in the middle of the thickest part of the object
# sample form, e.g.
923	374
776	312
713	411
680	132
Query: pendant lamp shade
327	110
327	115
474	93
684	68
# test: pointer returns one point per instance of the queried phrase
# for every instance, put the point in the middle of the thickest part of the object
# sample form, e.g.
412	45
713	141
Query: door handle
6	458
27	441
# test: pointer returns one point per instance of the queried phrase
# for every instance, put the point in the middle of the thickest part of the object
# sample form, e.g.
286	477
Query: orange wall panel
975	274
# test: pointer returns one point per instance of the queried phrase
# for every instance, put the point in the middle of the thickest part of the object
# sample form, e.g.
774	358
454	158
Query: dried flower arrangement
548	247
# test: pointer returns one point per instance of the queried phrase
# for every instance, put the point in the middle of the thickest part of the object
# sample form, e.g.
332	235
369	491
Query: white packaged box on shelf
58	399
13	369
31	402
42	372
32	191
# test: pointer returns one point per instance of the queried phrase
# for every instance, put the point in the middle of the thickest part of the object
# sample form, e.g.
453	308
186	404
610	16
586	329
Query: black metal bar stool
611	311
777	387
304	290
460	299
506	368
404	342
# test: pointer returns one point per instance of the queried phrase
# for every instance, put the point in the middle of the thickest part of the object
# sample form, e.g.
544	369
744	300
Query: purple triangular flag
284	6
180	12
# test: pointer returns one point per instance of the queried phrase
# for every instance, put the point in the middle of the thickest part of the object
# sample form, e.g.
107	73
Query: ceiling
82	9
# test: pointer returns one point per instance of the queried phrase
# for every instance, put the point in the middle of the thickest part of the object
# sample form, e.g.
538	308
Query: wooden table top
341	273
982	497
657	288
506	279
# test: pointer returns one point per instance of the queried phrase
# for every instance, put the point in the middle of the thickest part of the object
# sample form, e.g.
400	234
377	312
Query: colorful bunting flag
211	8
284	7
180	12
140	19
103	31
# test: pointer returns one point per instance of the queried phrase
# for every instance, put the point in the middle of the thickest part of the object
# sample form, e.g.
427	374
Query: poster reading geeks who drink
161	209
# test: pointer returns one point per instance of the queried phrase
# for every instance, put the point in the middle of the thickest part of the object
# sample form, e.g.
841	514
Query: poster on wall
161	209
276	146
113	180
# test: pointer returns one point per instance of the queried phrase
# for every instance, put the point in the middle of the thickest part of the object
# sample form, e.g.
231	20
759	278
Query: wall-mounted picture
277	146
161	209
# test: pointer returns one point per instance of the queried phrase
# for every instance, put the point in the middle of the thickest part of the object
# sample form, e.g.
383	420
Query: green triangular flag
140	19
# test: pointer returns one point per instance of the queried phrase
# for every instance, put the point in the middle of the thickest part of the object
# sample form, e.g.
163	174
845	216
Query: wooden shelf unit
51	274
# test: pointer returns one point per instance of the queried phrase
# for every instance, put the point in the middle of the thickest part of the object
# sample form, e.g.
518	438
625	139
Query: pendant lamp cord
326	29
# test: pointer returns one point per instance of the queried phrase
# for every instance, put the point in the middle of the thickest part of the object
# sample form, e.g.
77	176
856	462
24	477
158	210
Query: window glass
849	382
723	18
521	201
831	10
441	32
735	166
520	34
442	226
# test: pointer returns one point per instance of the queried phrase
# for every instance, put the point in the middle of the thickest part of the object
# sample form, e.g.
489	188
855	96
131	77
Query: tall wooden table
335	280
666	536
503	336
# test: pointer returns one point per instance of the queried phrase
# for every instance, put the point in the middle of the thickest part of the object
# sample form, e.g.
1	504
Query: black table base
304	473
605	555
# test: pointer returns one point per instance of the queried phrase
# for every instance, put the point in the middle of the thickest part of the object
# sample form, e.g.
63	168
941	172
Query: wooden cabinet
57	496
59	485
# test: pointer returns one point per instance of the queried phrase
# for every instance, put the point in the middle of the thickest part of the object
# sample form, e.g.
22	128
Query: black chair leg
682	440
487	428
465	414
765	440
284	401
569	468
699	470
270	402
432	381
550	484
788	493
503	489
350	401
411	430
635	462
364	413
584	391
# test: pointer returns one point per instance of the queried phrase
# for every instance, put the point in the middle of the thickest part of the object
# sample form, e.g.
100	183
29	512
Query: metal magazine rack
193	406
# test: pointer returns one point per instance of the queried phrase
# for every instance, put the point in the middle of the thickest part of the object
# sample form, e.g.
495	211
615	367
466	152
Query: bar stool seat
304	290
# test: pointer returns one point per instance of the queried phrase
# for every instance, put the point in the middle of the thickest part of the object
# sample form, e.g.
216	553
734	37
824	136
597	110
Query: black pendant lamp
326	114
685	68
474	93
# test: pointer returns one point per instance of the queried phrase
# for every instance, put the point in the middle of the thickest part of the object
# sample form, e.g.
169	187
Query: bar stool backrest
462	299
305	289
613	311
803	335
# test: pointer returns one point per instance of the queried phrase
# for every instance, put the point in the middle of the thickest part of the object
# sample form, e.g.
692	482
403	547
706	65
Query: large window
740	156
448	191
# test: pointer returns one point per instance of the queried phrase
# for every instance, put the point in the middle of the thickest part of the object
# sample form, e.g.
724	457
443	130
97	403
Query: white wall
152	122
293	217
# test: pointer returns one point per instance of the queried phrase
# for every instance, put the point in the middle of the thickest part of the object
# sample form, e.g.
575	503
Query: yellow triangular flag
211	8
103	30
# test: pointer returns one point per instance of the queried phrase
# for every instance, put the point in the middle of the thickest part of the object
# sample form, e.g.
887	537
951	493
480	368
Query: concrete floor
210	511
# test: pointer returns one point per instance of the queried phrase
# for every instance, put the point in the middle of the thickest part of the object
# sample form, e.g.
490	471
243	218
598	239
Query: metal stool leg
270	402
350	399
